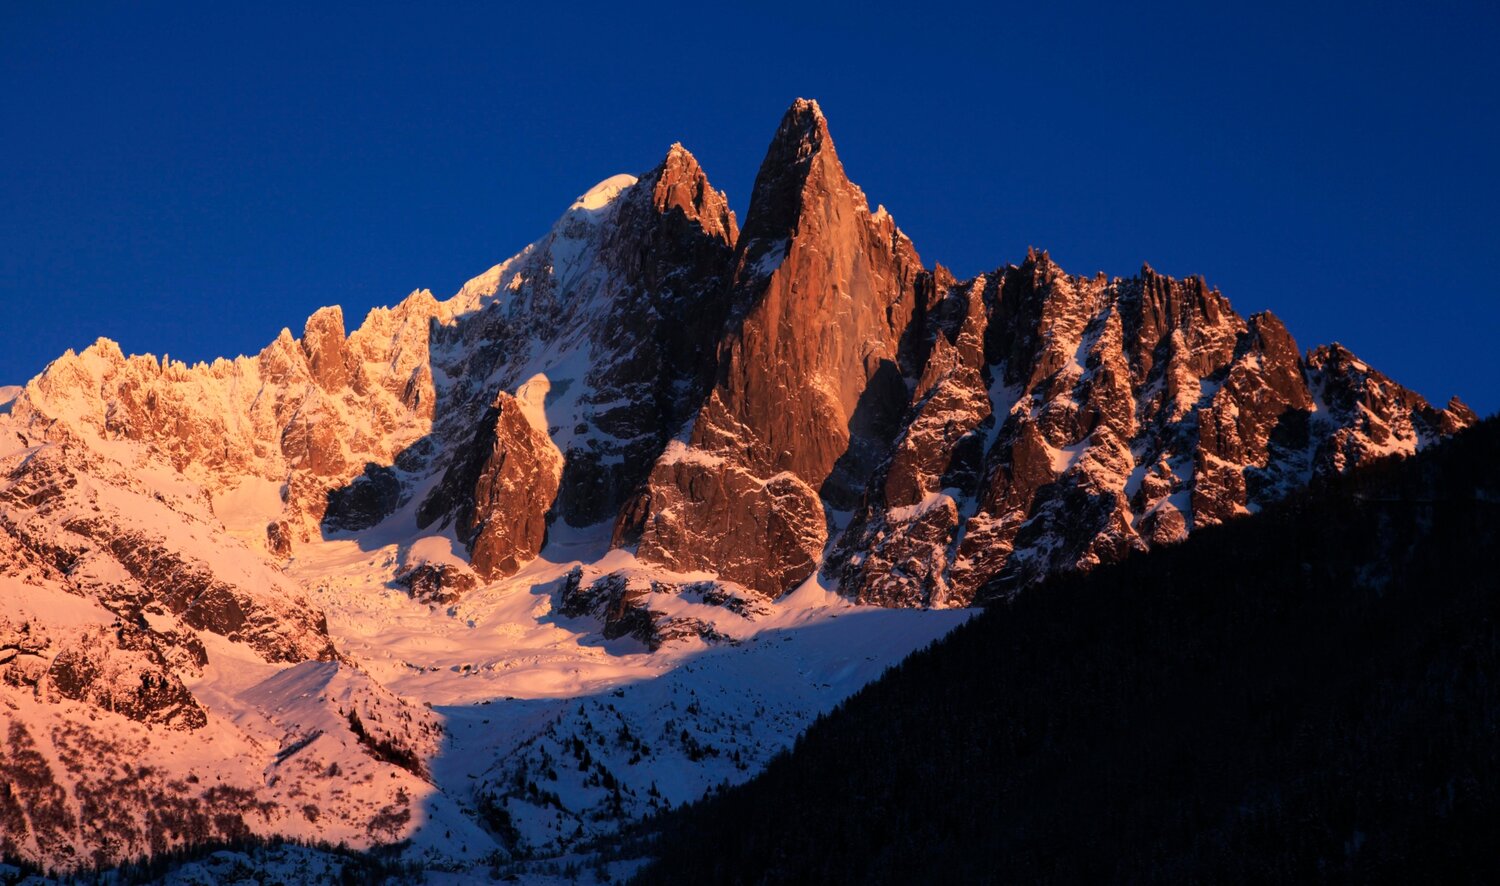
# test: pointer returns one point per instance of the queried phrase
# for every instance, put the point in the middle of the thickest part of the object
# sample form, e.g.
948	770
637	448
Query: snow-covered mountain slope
497	573
133	726
515	677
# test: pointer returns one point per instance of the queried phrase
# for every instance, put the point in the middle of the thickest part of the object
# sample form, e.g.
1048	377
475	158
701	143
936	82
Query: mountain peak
800	160
806	109
803	129
803	412
679	182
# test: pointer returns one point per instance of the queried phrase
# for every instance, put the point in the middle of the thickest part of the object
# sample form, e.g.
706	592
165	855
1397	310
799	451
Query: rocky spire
808	385
680	184
323	343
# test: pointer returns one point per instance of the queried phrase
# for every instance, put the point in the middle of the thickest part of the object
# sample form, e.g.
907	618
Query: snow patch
947	498
678	452
533	398
1065	457
248	506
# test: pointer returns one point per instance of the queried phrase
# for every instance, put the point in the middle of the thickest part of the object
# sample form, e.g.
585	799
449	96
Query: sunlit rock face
926	441
500	490
1061	422
809	378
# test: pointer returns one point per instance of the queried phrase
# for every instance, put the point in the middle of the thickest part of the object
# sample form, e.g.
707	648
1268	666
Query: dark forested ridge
1308	694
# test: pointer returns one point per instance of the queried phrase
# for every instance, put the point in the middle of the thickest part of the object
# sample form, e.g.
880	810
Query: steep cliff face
809	377
1062	421
605	331
500	489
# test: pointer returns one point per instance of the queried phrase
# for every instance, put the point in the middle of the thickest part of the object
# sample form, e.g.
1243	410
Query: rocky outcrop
1373	415
1099	417
706	512
500	490
624	604
278	539
77	519
809	379
436	583
126	670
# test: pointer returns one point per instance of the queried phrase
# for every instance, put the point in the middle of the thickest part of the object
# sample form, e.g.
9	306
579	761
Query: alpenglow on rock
801	398
227	589
809	384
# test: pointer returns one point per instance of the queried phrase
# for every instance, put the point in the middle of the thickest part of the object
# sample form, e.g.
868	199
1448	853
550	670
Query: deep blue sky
189	179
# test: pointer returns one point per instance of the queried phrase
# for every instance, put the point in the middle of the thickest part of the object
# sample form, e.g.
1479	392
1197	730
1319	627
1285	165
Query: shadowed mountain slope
1307	694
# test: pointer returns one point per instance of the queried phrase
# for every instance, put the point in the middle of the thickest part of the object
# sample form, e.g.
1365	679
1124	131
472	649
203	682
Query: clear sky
191	178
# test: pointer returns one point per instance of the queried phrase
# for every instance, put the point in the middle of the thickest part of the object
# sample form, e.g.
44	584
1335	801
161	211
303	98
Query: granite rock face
1061	422
926	441
501	490
808	386
436	583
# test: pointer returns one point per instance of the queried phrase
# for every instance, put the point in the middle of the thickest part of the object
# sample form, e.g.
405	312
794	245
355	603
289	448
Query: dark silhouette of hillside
1308	694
